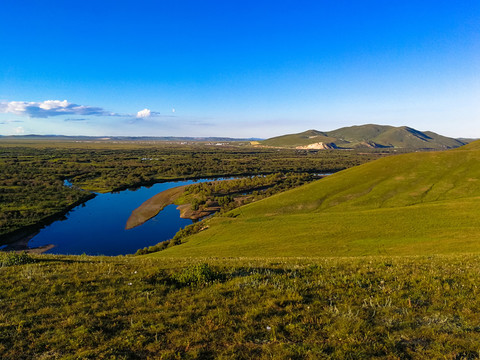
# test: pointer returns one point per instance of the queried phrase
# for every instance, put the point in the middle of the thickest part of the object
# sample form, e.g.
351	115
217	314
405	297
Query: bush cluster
12	258
196	275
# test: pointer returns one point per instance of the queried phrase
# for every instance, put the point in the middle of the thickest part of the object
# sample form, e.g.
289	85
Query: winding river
97	227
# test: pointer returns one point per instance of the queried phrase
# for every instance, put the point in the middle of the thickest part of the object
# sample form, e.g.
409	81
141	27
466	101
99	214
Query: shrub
12	258
196	275
151	249
187	231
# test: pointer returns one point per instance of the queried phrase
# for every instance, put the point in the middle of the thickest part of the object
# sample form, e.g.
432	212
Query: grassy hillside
474	145
301	139
368	136
420	203
80	307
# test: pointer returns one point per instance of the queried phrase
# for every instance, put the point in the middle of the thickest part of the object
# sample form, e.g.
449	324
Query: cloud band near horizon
56	107
50	108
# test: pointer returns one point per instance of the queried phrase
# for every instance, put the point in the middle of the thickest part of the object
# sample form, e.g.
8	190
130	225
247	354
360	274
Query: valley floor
284	308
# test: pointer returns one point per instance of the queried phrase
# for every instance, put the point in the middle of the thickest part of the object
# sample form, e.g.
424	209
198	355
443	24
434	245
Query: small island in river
153	206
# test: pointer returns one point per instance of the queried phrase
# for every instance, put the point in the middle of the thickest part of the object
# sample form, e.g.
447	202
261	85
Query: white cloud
53	104
144	113
19	130
50	108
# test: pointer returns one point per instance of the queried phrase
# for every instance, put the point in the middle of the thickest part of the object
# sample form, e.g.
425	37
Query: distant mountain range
353	137
366	136
124	138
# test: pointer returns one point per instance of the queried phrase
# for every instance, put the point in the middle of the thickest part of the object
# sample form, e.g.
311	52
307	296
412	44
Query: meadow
373	307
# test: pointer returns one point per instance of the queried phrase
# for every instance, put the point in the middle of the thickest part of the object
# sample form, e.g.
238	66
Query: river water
98	226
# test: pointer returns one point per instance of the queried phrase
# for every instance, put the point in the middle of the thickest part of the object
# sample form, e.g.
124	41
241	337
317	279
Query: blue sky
238	68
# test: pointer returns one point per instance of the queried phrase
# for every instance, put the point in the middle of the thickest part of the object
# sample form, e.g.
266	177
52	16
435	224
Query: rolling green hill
475	145
418	203
301	139
374	136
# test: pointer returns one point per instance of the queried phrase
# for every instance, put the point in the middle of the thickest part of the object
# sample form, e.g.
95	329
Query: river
97	227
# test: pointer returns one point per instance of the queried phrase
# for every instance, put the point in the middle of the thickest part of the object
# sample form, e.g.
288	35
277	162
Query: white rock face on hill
319	146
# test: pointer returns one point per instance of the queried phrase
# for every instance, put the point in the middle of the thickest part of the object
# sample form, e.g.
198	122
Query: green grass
474	145
440	228
421	203
397	181
282	308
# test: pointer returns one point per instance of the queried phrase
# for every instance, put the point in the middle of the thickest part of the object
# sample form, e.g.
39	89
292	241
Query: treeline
31	189
31	177
109	169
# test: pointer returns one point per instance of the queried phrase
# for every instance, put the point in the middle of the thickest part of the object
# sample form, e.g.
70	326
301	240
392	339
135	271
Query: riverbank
21	245
186	211
18	240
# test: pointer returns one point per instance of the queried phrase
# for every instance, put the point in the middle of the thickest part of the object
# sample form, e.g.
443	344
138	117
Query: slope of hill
301	139
474	145
418	203
368	136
